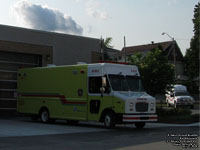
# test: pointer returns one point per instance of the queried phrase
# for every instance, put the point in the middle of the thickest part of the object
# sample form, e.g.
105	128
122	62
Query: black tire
109	120
44	115
140	125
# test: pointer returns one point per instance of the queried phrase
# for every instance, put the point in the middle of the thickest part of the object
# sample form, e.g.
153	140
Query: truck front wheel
44	115
109	120
140	125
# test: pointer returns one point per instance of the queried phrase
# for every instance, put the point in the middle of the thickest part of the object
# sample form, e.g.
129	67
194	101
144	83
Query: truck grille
141	106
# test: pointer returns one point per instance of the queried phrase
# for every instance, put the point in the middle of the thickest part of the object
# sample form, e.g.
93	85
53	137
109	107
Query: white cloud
94	9
44	18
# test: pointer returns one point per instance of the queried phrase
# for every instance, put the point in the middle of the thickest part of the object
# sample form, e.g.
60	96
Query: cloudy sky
140	21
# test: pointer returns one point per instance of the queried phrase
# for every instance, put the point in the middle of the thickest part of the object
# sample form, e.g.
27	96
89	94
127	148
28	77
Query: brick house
168	48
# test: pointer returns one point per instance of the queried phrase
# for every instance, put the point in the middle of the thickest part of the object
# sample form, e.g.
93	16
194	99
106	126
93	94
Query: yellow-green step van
102	92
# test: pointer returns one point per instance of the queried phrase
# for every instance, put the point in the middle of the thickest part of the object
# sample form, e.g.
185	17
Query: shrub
173	112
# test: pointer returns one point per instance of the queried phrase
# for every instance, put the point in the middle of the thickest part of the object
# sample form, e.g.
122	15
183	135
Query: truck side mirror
102	89
104	84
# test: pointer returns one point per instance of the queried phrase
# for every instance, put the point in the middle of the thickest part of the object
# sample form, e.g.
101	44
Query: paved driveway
21	133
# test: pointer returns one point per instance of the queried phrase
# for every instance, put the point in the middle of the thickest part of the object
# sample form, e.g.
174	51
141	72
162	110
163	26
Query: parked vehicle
177	95
109	93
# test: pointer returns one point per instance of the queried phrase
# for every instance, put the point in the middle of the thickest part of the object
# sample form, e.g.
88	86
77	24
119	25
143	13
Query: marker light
82	71
152	104
131	104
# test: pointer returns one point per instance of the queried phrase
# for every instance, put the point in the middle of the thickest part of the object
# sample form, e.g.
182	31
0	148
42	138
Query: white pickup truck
177	95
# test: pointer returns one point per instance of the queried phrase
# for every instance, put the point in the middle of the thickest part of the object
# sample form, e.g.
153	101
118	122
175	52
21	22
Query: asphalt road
23	134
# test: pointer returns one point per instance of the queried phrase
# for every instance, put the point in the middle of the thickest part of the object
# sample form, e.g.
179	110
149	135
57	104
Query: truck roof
100	69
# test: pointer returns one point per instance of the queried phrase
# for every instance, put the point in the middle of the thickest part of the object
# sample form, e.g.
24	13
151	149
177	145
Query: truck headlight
131	104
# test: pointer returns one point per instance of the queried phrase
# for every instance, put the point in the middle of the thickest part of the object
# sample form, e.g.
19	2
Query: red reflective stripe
153	117
62	98
132	118
112	62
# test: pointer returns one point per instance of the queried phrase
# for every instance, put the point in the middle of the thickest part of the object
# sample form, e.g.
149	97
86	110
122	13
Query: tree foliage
107	42
192	54
155	70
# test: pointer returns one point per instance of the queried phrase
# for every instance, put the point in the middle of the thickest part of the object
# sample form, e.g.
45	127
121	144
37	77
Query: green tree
192	54
107	42
155	70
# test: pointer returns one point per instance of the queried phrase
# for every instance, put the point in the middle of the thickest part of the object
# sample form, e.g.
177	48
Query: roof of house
145	48
167	48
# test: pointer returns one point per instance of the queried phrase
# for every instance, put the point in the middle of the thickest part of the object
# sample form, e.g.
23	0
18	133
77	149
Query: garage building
20	47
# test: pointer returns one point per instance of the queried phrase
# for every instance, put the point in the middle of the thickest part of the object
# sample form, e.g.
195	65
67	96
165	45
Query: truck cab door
97	100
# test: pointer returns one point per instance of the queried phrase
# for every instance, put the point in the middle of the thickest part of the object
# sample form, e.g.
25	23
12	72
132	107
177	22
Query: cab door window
95	83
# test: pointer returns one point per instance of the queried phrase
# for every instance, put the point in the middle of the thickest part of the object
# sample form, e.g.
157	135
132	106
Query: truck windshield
126	83
135	83
118	83
182	93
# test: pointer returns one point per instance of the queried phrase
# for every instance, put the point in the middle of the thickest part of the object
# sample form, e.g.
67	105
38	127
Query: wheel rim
107	121
44	116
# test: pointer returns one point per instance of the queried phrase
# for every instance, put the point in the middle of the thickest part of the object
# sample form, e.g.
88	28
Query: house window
119	57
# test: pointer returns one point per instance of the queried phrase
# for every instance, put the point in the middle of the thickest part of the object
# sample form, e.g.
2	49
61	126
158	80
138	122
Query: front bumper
139	118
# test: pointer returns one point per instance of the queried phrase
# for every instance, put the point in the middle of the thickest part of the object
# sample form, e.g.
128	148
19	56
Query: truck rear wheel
109	120
44	115
140	125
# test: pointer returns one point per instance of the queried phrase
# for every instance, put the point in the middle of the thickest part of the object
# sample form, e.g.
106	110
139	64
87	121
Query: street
22	133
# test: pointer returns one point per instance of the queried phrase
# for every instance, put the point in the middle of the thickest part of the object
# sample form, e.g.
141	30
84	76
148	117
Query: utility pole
124	49
101	49
173	46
